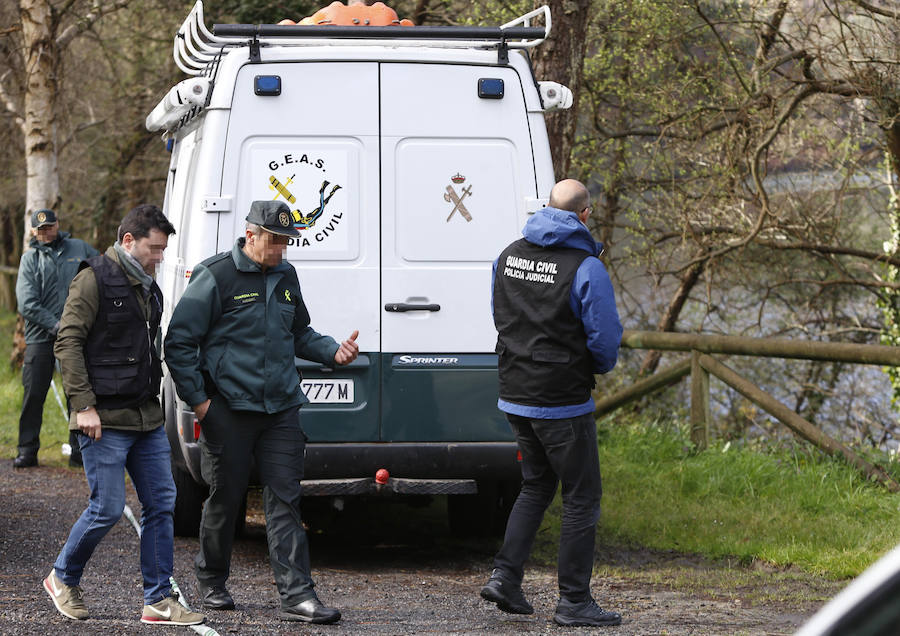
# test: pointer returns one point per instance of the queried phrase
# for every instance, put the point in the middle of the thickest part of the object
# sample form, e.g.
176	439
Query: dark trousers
36	376
228	441
555	451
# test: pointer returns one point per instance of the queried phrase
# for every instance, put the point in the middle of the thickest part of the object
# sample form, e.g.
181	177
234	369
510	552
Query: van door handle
400	307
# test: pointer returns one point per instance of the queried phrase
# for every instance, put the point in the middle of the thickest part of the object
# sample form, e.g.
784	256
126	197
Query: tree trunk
688	279
561	59
41	65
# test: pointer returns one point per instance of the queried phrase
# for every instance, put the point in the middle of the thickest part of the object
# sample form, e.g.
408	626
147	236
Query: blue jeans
145	455
555	451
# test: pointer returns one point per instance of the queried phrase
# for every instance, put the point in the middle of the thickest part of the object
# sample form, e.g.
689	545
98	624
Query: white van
410	157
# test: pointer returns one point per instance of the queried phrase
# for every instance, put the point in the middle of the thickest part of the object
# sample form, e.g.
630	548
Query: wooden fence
700	365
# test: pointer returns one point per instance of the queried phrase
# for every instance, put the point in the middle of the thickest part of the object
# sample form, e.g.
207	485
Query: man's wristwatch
85	408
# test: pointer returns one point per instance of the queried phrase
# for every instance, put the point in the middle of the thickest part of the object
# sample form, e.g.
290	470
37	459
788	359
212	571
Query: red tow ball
382	476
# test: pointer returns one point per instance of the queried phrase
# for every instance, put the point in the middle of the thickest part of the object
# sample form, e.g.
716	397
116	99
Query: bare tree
738	148
44	32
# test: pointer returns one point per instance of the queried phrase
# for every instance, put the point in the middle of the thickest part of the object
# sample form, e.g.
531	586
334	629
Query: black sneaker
24	460
215	597
586	614
508	597
310	611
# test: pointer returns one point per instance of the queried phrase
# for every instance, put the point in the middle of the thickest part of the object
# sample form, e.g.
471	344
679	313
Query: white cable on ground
65	413
66	448
204	630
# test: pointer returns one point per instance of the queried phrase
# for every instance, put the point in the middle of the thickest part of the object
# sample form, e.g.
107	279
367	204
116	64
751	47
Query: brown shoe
68	599
170	612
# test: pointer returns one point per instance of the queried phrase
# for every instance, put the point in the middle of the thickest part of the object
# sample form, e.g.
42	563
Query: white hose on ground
203	630
62	408
66	449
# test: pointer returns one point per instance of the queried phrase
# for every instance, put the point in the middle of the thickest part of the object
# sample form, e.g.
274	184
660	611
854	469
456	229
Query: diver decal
304	222
312	182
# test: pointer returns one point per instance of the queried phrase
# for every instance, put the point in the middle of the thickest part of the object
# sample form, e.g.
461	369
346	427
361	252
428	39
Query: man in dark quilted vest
557	326
111	372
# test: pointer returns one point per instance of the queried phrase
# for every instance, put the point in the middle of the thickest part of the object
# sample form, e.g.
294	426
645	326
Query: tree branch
88	20
731	63
868	6
766	42
420	12
79	128
757	180
853	282
878	257
9	104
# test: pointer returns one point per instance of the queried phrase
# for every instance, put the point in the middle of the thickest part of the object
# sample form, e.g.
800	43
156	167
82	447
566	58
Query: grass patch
783	507
54	430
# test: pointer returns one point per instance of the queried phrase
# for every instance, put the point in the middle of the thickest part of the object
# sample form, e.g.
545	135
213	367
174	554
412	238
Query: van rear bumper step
414	460
368	486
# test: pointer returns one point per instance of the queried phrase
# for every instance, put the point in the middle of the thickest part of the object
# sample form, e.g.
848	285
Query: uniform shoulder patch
212	260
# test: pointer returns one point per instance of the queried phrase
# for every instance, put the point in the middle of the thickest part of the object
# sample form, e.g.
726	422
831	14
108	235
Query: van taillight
518	455
197	431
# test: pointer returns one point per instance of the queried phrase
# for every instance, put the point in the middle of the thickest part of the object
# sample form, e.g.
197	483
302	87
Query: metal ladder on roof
197	50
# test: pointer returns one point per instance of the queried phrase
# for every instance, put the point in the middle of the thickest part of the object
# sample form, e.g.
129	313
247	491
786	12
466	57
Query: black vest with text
543	359
122	362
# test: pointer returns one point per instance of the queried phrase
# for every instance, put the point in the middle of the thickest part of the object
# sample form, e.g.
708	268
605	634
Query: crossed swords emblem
457	201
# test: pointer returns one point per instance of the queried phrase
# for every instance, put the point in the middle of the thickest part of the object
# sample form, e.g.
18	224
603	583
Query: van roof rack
195	47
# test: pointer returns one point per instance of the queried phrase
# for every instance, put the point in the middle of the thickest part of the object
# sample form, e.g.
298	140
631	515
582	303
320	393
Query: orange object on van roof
339	14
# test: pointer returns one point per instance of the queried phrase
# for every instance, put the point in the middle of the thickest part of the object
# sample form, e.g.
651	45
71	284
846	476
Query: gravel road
390	568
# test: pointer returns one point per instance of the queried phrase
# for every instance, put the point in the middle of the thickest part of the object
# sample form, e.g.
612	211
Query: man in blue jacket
45	271
230	348
557	326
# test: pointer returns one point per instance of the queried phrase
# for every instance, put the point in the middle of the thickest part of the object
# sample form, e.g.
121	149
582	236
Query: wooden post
700	416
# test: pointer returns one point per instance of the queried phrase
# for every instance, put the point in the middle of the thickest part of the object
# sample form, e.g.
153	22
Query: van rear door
315	147
457	164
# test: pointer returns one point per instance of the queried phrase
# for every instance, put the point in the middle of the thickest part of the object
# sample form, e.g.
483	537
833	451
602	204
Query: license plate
328	391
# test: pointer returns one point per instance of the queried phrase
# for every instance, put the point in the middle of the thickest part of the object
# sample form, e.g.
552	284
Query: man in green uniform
230	349
45	271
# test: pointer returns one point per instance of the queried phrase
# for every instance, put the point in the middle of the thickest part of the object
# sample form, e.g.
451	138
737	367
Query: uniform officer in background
230	348
557	326
45	271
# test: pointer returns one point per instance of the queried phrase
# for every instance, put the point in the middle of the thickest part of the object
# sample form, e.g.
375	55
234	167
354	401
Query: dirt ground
391	569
